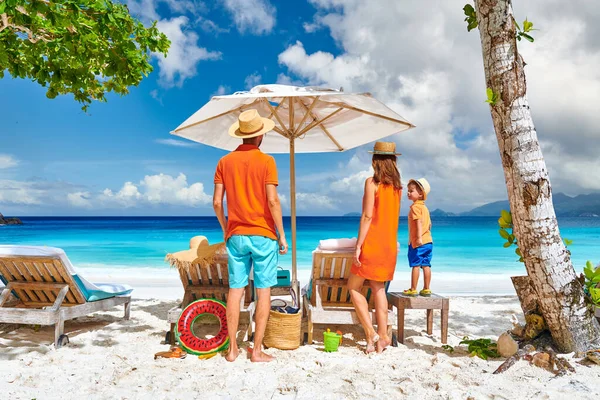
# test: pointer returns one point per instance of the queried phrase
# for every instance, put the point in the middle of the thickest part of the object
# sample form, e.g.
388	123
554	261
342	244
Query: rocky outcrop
9	221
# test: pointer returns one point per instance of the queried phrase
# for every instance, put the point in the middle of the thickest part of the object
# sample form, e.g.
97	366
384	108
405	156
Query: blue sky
119	159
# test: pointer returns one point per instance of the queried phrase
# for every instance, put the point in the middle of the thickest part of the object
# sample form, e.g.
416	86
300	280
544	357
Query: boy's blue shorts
247	251
421	256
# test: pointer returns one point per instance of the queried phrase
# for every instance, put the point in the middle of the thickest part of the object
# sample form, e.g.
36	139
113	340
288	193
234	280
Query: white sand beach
109	358
165	284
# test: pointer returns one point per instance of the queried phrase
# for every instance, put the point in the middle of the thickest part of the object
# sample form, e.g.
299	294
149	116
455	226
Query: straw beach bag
284	328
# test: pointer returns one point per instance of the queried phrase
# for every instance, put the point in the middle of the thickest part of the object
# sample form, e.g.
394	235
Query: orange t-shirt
244	174
419	210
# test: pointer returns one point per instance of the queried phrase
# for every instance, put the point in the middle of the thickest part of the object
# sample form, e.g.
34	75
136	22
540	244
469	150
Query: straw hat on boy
423	184
385	148
250	124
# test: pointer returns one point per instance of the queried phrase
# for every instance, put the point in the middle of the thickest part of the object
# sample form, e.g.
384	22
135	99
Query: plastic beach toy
331	340
184	331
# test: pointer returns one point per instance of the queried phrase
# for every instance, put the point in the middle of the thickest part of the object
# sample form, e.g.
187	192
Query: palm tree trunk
559	293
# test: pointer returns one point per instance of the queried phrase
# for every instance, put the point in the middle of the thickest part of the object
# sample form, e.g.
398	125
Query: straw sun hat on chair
250	124
200	252
385	148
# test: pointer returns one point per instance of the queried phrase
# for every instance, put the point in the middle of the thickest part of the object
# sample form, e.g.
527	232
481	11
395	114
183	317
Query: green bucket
331	340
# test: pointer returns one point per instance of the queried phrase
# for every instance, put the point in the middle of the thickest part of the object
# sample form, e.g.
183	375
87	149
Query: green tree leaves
505	220
492	97
83	47
482	348
471	18
527	27
505	223
592	279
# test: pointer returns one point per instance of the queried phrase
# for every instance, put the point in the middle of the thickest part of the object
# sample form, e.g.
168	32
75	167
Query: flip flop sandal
425	293
206	356
410	292
174	352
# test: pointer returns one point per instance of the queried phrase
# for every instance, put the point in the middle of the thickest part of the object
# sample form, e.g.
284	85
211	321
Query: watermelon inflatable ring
185	327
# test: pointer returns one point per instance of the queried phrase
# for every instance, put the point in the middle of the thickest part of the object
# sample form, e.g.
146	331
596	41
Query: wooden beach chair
329	301
47	291
208	281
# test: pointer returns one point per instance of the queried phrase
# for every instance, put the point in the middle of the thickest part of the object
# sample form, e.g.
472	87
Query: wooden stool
434	302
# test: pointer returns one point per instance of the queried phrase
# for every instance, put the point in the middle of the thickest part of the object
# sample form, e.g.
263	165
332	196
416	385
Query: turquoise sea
461	244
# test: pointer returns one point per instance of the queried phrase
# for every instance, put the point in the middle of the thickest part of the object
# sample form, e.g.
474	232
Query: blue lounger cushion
91	291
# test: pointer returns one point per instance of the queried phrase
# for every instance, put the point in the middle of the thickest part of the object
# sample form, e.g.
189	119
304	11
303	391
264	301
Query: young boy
420	245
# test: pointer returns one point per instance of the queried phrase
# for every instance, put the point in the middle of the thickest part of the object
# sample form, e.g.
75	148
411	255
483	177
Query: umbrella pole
293	216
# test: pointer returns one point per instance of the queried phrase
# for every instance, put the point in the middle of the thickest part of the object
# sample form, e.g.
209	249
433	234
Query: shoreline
165	284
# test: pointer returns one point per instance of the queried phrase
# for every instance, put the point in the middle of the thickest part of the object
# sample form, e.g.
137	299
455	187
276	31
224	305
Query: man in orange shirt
249	177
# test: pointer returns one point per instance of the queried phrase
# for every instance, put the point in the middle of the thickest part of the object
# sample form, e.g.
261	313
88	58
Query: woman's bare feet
370	348
232	354
383	343
371	343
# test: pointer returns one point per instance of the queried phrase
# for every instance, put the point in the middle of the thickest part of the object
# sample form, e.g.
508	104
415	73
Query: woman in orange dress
376	246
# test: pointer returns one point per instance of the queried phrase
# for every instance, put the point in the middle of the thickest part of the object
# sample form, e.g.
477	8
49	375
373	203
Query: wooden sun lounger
46	294
330	299
208	282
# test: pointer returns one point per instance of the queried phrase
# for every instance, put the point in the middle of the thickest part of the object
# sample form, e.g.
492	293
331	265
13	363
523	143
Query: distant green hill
441	213
584	205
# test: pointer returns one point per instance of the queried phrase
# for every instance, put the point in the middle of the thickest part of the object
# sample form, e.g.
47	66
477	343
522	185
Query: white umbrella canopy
307	120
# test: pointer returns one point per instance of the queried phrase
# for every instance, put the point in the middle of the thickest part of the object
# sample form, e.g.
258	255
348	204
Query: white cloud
210	26
284	79
153	190
310	27
155	95
8	161
351	185
127	196
177	143
283	199
252	80
16	192
221	90
323	67
36	193
186	6
314	201
419	59
254	16
80	199
184	53
145	9
164	188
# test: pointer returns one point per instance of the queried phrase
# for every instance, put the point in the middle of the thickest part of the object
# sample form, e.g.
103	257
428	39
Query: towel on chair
339	244
335	244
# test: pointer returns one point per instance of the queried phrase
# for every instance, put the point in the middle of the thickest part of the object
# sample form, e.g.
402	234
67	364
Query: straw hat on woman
376	246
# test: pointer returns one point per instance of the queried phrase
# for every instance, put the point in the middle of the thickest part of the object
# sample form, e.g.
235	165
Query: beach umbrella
307	120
